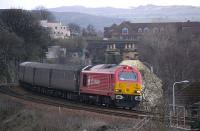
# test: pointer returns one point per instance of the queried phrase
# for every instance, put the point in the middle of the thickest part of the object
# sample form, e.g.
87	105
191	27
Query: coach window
84	80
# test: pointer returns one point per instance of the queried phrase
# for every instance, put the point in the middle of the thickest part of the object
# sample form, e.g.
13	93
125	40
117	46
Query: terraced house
133	31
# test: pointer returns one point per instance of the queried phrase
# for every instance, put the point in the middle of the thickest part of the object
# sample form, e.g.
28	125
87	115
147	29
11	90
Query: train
102	84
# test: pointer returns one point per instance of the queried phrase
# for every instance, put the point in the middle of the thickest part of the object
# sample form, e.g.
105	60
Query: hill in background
101	17
99	22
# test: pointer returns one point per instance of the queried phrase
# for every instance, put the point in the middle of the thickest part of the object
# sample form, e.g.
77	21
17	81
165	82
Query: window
155	30
58	74
139	30
131	76
146	29
84	80
112	77
125	31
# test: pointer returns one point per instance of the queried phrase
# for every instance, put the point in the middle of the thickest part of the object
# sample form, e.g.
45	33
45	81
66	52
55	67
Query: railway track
18	92
21	93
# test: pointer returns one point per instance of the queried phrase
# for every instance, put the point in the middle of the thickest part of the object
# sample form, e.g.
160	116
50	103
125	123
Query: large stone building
57	30
133	31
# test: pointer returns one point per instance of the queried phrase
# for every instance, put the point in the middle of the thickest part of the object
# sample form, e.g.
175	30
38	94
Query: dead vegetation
19	115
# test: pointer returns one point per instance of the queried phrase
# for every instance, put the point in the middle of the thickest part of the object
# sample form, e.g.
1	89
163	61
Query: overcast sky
31	4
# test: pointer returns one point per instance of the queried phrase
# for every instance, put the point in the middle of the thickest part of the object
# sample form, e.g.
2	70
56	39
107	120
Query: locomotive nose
128	88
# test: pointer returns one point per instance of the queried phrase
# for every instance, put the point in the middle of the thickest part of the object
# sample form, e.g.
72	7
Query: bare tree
174	56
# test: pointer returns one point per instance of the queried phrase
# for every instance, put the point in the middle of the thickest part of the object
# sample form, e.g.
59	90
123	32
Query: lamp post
185	81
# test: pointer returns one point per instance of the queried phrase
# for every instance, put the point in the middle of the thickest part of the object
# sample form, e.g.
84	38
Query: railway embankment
17	114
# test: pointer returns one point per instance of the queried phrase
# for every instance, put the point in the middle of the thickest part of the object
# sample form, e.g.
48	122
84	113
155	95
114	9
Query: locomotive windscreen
130	76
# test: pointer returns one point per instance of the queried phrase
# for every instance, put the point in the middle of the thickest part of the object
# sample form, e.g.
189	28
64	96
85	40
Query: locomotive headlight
138	92
118	90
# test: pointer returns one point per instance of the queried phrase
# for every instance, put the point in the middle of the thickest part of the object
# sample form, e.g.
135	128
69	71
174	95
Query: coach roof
52	66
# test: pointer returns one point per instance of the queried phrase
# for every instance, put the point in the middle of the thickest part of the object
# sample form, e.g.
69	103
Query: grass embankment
19	115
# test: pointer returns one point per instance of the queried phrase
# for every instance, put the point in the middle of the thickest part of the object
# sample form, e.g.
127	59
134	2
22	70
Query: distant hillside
148	13
105	11
99	22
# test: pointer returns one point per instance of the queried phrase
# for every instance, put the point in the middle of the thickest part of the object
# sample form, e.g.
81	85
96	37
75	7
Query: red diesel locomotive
105	84
122	84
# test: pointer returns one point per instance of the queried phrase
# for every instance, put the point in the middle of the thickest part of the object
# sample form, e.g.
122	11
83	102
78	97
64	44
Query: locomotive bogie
127	100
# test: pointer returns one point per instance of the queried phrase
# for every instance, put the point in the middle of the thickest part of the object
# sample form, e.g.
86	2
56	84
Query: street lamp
185	81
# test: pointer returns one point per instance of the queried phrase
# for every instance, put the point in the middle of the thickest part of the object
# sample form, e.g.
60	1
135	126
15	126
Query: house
125	49
55	52
133	31
57	30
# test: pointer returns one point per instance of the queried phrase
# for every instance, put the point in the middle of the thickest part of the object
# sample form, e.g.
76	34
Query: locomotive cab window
84	80
112	77
130	76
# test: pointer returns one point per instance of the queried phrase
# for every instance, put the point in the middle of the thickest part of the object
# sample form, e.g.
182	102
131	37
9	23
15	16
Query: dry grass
18	115
8	107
